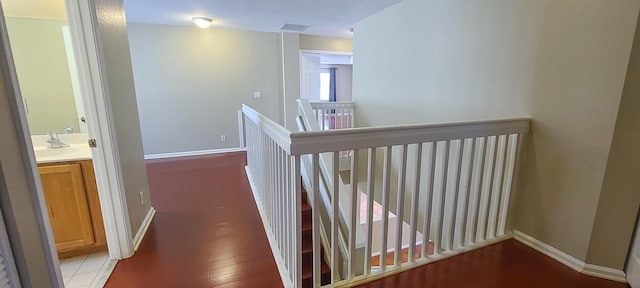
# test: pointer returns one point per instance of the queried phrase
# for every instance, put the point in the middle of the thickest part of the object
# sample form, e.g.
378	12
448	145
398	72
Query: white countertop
78	148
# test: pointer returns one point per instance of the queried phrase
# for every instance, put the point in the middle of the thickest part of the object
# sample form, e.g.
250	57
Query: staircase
465	166
307	248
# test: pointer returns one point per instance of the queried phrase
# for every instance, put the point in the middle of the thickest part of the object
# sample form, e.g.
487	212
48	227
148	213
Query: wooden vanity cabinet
72	201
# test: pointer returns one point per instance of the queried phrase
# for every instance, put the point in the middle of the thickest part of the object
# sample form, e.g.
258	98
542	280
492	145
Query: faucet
54	142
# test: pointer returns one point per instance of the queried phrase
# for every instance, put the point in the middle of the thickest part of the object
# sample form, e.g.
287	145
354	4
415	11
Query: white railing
334	115
274	175
448	186
328	182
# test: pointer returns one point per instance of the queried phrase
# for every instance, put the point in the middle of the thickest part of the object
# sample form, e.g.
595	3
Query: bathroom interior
48	79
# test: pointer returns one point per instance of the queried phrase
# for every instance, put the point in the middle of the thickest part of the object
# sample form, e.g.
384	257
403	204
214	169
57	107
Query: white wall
322	43
191	82
290	78
344	82
561	61
122	96
619	199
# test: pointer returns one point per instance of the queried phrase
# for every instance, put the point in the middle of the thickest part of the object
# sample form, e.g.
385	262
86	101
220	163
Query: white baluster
415	200
402	178
355	210
386	185
497	186
287	211
316	220
476	193
428	211
371	178
456	192
486	189
508	179
297	210
439	238
335	206
464	237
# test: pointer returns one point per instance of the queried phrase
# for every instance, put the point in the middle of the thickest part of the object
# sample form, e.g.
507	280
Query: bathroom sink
62	154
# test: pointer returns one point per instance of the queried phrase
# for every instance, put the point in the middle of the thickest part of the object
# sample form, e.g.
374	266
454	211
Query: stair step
307	253
307	225
306	208
307	274
307	248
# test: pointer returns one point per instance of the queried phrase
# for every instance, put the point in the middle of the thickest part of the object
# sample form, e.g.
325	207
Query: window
325	84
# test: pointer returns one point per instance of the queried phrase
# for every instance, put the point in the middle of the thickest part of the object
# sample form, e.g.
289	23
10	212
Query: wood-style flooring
509	264
207	233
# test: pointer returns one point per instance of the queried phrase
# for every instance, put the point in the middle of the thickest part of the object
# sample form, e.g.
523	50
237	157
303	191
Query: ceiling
39	9
326	17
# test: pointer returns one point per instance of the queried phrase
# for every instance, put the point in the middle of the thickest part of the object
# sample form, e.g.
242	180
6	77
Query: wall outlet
223	138
257	94
141	198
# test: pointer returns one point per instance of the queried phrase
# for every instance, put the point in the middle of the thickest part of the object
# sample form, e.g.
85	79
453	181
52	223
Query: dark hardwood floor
208	233
509	264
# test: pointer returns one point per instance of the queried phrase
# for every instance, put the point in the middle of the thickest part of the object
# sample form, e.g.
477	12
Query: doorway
55	61
326	76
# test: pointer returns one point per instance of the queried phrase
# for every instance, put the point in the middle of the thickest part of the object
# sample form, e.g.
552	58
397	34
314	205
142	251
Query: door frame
83	24
302	52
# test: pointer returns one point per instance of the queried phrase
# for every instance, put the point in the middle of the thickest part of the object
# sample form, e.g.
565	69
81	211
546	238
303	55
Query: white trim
570	261
270	236
242	135
193	153
549	250
312	51
605	272
83	22
137	240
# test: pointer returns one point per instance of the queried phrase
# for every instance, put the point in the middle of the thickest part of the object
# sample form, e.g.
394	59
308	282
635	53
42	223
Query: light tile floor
87	271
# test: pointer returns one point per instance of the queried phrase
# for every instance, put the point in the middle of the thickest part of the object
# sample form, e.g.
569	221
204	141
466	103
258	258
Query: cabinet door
67	204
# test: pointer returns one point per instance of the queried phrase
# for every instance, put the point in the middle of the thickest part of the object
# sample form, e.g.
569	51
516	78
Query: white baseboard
570	261
270	236
605	272
137	240
193	153
550	251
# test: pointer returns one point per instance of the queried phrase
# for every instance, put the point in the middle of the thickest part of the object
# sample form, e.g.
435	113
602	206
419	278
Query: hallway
207	231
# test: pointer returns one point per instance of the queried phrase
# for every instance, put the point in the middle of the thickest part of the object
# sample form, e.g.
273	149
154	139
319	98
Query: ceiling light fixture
202	22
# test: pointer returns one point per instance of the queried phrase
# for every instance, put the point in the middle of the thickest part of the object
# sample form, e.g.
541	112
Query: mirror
45	63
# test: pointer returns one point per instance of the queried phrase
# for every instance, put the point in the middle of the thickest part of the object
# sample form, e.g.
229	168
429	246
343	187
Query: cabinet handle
53	214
